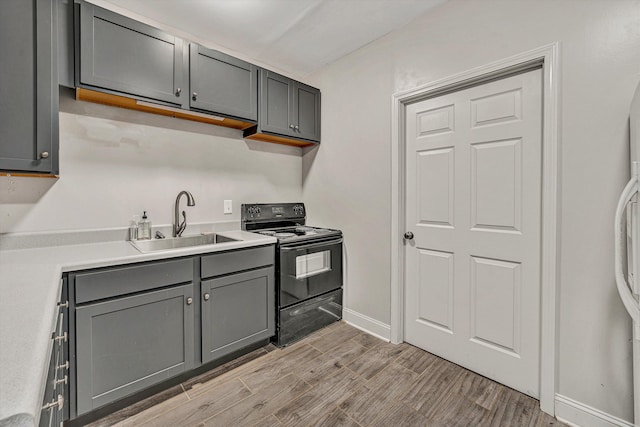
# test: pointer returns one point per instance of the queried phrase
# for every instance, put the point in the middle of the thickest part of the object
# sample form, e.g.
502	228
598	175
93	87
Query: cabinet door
28	88
128	57
306	111
223	84
127	344
276	104
237	310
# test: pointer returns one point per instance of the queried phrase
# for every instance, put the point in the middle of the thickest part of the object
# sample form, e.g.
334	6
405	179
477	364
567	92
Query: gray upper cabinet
306	111
288	109
222	84
28	88
276	104
128	57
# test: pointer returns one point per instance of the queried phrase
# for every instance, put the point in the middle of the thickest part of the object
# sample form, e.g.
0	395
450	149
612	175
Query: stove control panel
268	211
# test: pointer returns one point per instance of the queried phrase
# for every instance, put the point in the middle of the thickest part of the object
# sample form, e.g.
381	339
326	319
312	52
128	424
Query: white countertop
30	287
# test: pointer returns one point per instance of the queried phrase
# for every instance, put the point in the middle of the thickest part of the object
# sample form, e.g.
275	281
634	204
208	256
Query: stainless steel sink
179	242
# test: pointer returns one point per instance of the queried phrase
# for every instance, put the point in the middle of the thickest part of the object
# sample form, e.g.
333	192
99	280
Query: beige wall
346	182
115	163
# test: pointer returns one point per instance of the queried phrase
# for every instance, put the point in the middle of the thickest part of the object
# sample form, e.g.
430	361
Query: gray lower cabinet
127	344
119	54
237	310
287	108
135	326
55	404
222	84
28	88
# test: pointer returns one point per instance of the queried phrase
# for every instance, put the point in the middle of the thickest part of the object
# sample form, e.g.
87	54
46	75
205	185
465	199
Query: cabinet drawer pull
63	366
58	403
194	96
62	381
189	301
64	337
178	91
206	297
296	127
291	126
63	304
44	155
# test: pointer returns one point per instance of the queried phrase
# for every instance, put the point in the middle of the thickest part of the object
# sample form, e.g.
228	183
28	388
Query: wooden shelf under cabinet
132	104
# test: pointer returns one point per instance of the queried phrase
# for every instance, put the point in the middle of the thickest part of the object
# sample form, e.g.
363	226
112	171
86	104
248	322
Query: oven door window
312	264
309	270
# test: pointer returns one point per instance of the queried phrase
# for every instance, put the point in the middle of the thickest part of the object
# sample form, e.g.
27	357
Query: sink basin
179	242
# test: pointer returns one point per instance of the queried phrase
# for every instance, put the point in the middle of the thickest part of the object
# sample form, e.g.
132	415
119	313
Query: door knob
408	235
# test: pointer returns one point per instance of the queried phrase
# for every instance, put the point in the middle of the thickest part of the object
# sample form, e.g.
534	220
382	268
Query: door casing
548	57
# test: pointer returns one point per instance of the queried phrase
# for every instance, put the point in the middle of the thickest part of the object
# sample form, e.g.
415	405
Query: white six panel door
473	201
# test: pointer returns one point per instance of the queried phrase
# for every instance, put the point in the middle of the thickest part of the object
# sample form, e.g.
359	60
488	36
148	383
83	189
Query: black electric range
308	268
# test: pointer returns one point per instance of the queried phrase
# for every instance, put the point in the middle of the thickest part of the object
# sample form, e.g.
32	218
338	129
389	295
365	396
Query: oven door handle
311	246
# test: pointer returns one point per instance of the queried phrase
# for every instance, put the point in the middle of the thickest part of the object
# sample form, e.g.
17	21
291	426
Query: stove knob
258	210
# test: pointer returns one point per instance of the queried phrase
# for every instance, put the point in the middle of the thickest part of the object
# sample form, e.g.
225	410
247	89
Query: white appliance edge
629	287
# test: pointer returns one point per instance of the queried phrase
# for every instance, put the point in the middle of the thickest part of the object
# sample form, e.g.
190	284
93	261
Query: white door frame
548	57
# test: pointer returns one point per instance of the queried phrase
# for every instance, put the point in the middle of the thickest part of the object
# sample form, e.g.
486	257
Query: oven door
309	269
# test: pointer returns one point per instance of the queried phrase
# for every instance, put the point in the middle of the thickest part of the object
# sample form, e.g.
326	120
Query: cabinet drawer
300	320
125	280
231	262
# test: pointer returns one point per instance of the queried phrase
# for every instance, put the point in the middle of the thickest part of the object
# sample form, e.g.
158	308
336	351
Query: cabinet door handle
194	96
63	366
291	127
206	297
58	403
189	301
44	155
62	381
296	127
178	91
64	337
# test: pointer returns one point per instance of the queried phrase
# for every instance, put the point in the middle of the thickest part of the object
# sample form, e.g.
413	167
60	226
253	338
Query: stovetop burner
284	235
286	222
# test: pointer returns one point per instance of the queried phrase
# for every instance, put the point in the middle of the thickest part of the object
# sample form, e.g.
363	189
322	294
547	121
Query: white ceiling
295	36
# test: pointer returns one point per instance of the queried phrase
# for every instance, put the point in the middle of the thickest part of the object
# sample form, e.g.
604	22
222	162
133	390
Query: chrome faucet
178	227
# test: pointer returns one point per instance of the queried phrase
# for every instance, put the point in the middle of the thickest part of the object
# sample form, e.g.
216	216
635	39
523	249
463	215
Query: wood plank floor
339	376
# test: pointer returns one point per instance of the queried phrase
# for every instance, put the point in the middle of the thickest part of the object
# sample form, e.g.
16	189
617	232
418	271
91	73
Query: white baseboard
367	324
578	414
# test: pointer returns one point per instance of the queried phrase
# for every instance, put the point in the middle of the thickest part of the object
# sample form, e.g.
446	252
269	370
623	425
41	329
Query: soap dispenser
133	227
144	228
